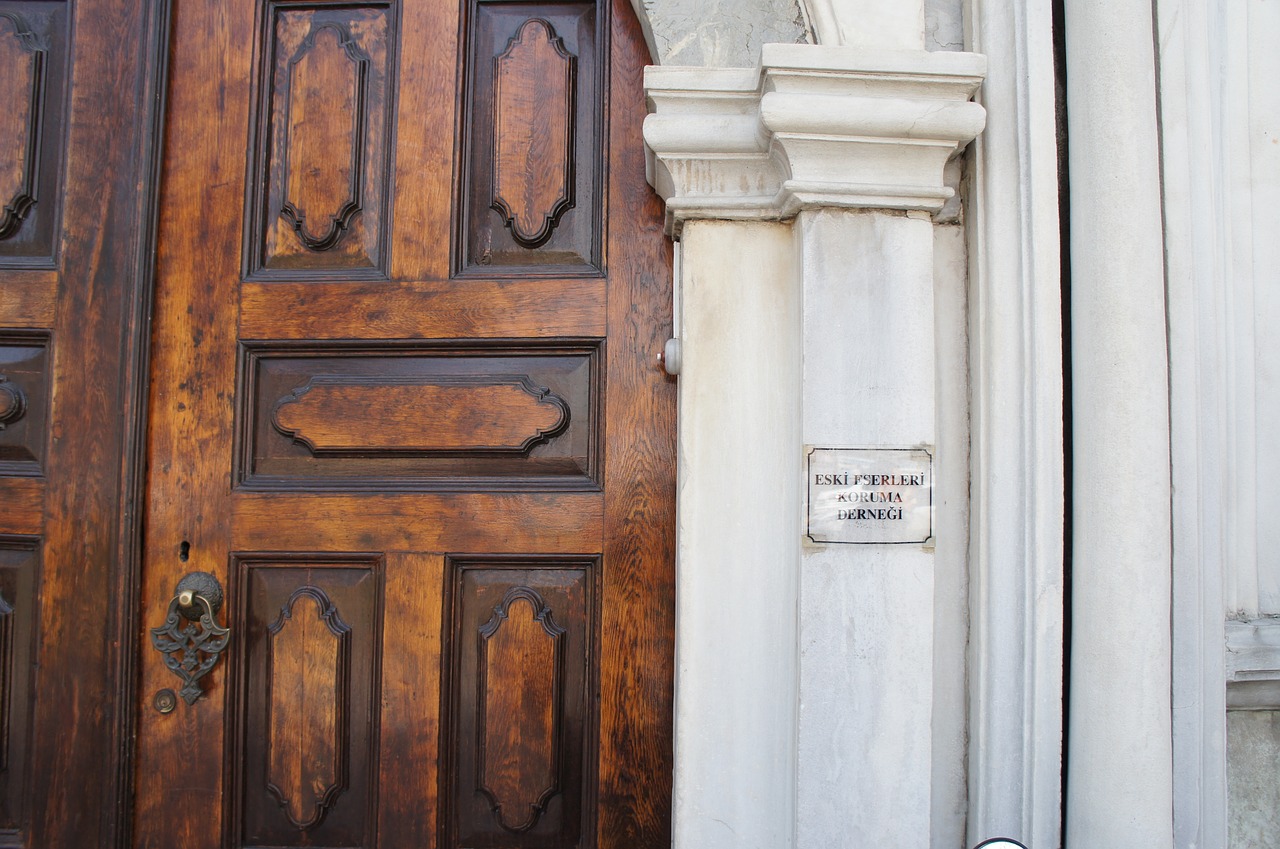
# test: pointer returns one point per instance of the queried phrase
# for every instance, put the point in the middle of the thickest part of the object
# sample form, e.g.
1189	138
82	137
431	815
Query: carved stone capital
812	127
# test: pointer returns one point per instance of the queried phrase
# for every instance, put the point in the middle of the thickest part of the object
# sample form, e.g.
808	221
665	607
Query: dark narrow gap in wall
1064	237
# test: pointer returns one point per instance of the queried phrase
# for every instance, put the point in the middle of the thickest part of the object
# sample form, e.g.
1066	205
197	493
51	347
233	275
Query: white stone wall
885	749
739	483
867	612
1219	145
842	149
1221	141
1252	112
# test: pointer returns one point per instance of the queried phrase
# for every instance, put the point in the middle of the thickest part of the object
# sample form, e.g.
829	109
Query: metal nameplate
870	496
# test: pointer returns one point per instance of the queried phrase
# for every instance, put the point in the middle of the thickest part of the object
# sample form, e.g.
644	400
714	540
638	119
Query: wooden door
77	96
405	406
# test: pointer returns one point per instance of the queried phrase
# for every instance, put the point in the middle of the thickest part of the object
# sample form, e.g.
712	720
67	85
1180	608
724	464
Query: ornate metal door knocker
190	639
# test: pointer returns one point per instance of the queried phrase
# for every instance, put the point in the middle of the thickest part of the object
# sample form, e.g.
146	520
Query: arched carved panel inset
532	142
303	697
308	656
319	183
518	742
324	137
520	681
417	416
448	414
533	97
22	66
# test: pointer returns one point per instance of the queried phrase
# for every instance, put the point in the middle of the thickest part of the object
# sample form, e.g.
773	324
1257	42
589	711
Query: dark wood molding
23	196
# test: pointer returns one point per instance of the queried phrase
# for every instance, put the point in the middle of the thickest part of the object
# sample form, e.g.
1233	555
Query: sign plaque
870	495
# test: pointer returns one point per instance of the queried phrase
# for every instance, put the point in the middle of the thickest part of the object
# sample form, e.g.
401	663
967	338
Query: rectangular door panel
303	762
532	187
19	635
24	401
395	417
33	65
519	722
318	194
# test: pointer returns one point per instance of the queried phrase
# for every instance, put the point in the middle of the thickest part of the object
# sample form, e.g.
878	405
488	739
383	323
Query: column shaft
1119	772
738	527
866	669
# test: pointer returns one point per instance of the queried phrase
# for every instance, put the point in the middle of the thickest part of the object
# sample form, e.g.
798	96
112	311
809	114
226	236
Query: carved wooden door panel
405	407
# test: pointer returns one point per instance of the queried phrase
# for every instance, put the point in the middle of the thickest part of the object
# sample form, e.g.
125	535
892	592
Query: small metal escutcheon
190	639
165	701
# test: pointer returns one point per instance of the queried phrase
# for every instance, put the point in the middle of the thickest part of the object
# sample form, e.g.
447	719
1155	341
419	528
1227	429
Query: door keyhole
184	551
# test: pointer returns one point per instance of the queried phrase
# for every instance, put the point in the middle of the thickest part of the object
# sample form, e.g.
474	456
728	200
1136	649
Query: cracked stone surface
943	25
1253	764
721	33
729	33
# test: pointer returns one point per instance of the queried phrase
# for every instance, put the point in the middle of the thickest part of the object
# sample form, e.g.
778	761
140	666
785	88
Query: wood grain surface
469	662
74	283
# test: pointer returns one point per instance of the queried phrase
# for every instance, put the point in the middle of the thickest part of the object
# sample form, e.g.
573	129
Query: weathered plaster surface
718	33
1253	778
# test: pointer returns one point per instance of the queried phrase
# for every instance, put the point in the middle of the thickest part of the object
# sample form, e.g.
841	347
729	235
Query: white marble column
1016	386
1119	772
739	483
866	621
851	143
